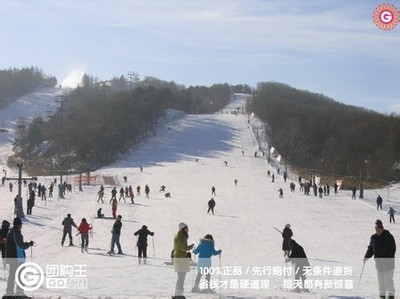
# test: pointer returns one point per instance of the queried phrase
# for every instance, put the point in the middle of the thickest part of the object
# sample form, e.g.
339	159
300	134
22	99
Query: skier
205	249
51	189
147	190
99	213
68	223
15	254
182	258
213	191
122	194
5	227
383	247
100	194
131	195
116	234
113	194
280	193
299	259
142	242
391	214
379	201
320	191
138	190
287	234
353	194
162	188
43	192
83	229
211	205
236	182
30	202
114	208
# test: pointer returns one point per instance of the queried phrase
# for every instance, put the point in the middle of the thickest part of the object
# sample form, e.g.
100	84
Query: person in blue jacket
205	249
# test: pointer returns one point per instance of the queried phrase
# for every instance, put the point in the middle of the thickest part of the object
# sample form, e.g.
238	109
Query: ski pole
359	280
194	269
277	229
220	273
154	252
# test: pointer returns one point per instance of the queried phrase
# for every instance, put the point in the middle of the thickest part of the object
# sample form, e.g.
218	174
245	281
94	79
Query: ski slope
187	155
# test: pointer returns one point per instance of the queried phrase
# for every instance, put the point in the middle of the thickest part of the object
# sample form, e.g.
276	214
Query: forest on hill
317	134
100	120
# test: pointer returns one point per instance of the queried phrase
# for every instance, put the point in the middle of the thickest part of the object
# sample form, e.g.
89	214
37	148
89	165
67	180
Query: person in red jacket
114	208
83	229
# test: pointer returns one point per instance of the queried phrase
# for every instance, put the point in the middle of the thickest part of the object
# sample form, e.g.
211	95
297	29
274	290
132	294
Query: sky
328	47
334	230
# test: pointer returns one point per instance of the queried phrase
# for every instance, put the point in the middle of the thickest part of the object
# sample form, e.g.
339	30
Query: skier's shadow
229	216
139	204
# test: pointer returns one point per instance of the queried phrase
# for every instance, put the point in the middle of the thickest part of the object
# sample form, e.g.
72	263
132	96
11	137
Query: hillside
334	230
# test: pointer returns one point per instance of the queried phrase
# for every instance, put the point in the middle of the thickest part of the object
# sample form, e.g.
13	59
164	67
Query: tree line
317	133
15	83
101	120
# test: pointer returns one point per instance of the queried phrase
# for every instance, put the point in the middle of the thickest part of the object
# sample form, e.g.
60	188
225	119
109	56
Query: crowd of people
382	244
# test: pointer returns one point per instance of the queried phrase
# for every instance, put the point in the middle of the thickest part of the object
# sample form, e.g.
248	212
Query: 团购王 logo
386	16
29	276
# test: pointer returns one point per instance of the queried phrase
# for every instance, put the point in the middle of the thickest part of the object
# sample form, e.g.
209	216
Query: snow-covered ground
334	230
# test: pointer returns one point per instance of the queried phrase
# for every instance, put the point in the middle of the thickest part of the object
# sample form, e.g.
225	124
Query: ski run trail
188	155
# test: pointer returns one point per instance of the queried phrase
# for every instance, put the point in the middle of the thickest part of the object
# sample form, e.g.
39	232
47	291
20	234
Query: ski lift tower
133	78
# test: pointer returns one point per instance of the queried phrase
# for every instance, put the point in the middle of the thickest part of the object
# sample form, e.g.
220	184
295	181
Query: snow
334	230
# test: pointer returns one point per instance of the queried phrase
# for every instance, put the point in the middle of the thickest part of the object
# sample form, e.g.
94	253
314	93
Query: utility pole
61	100
133	78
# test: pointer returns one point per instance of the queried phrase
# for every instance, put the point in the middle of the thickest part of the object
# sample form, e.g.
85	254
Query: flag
339	183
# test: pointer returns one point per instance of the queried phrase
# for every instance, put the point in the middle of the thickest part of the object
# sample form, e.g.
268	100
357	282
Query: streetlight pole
61	100
19	211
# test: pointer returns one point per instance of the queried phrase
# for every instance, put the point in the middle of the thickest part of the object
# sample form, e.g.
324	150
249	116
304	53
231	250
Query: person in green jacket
182	258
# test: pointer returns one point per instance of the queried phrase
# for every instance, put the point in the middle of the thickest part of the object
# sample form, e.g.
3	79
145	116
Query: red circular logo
386	16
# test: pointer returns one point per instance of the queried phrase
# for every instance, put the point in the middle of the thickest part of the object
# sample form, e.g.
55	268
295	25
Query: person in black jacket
211	205
15	254
383	247
68	223
5	227
379	201
142	242
116	234
286	235
299	259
